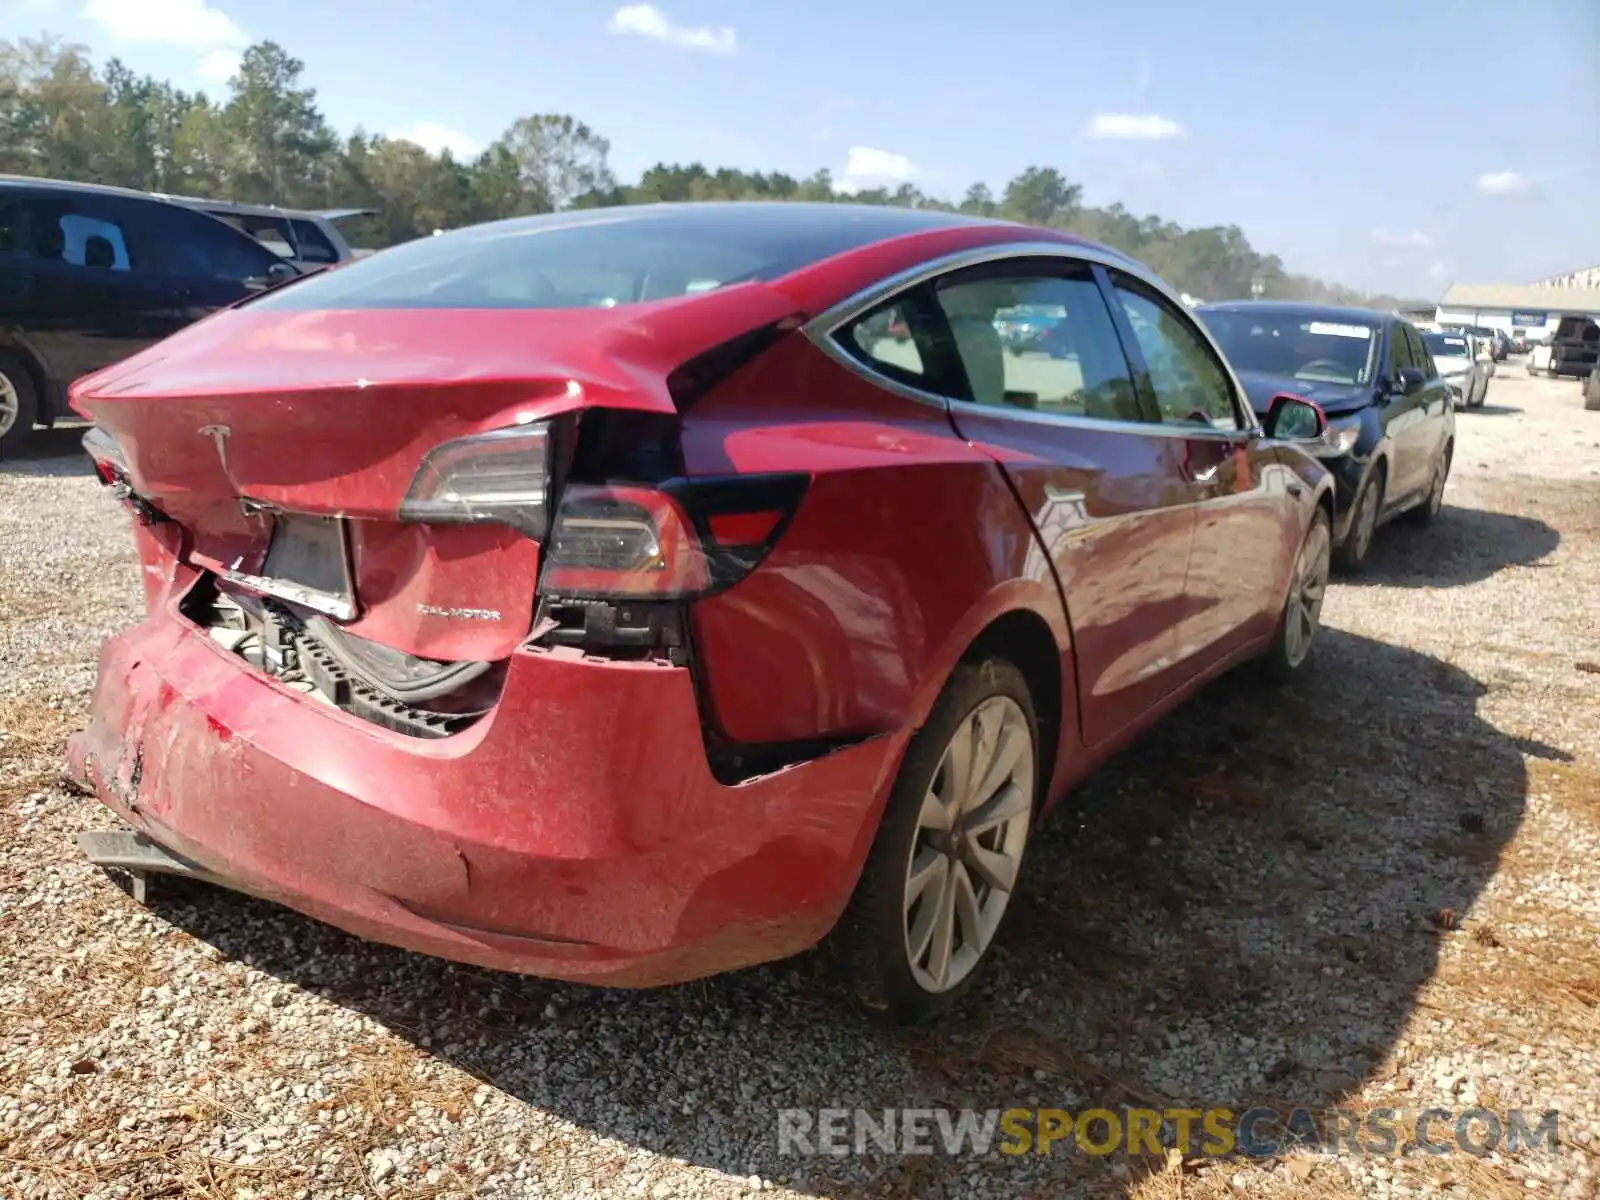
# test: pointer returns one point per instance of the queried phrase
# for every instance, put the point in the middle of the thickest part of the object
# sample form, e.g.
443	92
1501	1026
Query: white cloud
646	20
1503	183
869	168
1438	269
1132	126
219	66
434	137
1414	240
191	23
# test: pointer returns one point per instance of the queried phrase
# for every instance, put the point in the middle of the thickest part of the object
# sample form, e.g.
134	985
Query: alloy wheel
967	851
1366	522
10	404
1303	614
1441	471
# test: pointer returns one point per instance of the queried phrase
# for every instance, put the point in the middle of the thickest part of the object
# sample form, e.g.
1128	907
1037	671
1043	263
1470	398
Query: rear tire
1301	617
888	947
19	405
1351	556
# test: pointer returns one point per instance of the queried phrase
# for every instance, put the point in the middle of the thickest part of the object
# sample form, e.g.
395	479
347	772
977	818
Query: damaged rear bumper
575	832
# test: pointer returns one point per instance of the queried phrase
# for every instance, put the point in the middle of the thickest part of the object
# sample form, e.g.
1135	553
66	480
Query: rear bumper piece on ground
575	833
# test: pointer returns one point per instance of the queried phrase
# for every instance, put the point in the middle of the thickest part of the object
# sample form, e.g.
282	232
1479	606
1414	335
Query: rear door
1238	568
96	291
1409	419
1105	487
1436	404
207	264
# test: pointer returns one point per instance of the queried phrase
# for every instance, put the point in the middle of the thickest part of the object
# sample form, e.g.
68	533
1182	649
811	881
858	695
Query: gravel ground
1381	886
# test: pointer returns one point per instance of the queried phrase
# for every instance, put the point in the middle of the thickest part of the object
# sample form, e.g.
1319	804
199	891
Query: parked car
1393	426
310	239
1028	326
1457	358
631	644
89	275
1574	349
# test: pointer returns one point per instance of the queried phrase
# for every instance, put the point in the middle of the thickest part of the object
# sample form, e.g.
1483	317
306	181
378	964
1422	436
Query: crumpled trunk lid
253	416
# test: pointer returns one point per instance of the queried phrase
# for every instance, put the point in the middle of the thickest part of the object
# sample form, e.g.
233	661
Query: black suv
89	275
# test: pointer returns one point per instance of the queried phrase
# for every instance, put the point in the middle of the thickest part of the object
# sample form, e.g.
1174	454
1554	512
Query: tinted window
272	232
82	232
1042	343
1400	353
1294	345
1190	384
196	246
1447	345
11	232
882	340
1419	352
313	244
602	256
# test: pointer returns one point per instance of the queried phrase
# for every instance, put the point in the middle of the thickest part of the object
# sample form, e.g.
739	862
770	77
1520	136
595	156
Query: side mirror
1408	380
281	272
1294	418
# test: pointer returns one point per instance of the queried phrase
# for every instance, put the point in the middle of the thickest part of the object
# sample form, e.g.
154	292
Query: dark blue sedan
1371	373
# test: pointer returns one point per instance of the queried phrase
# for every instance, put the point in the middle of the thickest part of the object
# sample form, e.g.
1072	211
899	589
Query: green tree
1041	196
266	140
283	143
558	158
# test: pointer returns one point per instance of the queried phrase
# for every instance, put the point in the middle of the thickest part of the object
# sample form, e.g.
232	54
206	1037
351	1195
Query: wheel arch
1024	639
43	395
1024	622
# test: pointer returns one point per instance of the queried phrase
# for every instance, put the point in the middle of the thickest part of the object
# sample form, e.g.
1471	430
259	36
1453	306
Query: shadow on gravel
1492	410
1238	910
1462	546
57	453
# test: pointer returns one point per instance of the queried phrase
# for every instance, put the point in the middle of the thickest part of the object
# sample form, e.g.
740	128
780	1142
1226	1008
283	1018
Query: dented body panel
654	788
576	833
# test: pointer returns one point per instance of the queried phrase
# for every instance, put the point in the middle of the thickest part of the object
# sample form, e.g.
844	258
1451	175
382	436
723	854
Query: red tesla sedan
610	596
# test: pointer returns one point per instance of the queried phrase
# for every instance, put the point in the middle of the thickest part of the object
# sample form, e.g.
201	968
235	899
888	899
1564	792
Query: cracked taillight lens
679	540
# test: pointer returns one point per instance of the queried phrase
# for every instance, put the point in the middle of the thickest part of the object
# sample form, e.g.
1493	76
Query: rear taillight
681	539
102	449
503	476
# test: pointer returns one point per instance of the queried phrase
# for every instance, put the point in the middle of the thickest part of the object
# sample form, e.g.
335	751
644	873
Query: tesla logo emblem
219	435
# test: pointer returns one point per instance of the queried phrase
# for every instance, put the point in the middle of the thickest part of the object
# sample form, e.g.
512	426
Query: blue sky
1393	144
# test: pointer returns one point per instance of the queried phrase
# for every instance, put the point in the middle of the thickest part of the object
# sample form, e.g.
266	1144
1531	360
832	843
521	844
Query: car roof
260	210
875	222
67	185
1298	308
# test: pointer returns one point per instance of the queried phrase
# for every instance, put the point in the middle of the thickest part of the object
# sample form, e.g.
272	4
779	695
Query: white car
1457	359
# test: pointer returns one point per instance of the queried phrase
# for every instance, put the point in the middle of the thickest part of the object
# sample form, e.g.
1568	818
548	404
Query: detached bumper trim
127	851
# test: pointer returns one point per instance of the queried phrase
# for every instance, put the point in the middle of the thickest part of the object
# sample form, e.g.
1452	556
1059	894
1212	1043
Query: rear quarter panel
909	542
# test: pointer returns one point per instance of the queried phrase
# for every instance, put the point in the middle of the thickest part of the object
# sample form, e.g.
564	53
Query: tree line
266	141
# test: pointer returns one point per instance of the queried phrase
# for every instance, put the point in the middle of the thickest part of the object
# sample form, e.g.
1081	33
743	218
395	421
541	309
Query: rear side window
882	340
197	246
1042	343
12	239
81	232
313	244
600	257
272	232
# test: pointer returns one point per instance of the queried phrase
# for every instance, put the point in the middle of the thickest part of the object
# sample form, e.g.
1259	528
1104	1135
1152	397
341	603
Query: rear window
601	257
1446	345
